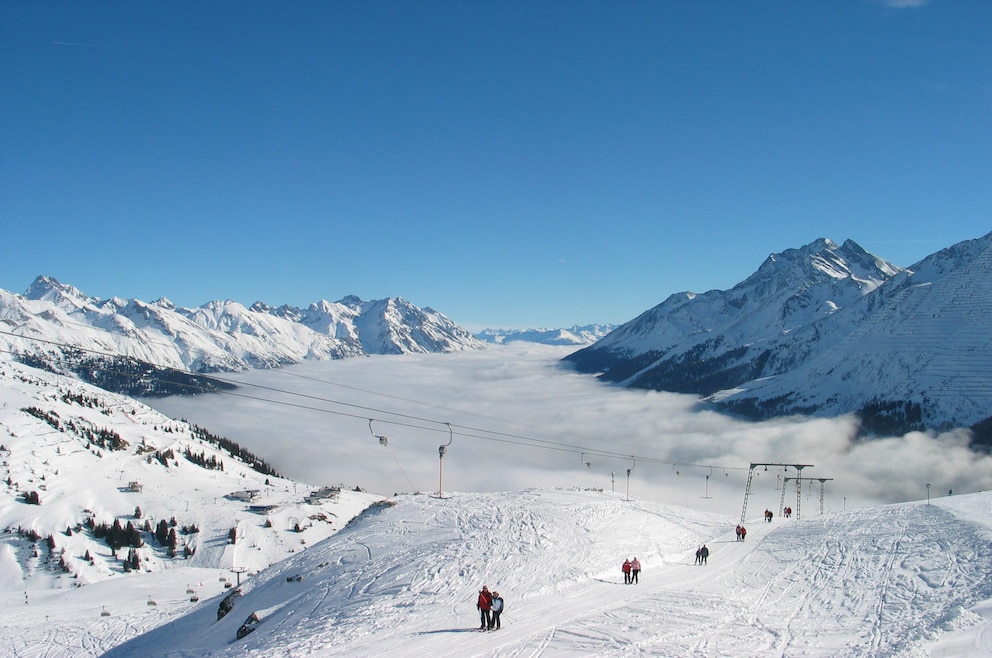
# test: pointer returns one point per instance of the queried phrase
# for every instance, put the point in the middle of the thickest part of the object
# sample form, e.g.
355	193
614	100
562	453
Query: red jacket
485	600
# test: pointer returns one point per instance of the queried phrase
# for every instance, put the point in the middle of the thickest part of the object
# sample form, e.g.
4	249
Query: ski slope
898	580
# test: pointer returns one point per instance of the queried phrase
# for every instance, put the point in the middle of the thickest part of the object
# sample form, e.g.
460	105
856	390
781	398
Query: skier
743	533
699	556
635	568
497	611
704	553
626	571
485	606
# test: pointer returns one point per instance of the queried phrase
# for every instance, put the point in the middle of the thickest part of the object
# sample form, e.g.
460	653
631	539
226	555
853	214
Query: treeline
254	461
101	437
125	375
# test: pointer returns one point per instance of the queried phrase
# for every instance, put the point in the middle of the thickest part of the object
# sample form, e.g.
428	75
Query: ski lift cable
383	441
522	440
470	430
413	487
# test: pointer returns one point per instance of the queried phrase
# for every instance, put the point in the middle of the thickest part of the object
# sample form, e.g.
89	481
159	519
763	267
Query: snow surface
56	610
898	580
906	579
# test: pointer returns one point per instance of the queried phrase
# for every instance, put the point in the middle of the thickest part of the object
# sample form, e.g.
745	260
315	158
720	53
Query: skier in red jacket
484	605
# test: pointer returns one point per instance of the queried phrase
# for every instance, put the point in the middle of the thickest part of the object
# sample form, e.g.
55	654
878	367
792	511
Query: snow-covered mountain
220	336
824	330
575	335
915	353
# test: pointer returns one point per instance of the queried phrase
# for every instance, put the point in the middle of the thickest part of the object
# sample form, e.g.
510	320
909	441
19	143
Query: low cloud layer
522	420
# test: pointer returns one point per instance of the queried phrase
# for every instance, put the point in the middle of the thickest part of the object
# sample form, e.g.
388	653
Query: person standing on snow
635	568
485	606
704	553
699	556
626	571
497	611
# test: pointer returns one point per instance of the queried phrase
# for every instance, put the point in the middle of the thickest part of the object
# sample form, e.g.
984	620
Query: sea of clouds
521	419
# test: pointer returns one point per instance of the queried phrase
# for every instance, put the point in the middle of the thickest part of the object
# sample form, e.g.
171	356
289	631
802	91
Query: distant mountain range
216	337
574	335
825	330
821	330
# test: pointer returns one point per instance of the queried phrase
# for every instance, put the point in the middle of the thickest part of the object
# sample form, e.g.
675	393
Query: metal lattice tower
799	488
750	476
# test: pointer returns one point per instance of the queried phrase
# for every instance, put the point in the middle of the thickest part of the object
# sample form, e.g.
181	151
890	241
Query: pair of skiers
768	516
631	569
702	553
741	532
490	607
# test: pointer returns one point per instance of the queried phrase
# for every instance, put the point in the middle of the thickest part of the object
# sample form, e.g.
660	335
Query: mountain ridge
786	339
221	335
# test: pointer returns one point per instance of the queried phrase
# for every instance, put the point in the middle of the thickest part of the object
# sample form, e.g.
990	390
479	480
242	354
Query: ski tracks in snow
871	593
867	583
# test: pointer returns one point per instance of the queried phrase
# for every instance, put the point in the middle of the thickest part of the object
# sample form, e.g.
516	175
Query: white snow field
863	579
907	579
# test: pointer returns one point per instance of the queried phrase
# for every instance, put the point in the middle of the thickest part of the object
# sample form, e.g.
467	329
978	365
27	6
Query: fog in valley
519	419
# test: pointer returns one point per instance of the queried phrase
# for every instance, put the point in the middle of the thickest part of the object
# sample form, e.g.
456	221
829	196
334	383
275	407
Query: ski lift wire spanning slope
632	467
384	442
441	450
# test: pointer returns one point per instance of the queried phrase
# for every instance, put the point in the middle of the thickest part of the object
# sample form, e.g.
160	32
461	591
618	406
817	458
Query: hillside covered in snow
899	580
128	532
824	330
101	496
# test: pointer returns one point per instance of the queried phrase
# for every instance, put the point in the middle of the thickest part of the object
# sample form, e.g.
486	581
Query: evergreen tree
116	537
162	532
173	542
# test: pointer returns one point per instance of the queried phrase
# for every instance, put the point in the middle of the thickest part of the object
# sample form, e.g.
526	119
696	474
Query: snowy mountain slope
917	351
882	581
79	466
221	336
824	330
692	343
575	335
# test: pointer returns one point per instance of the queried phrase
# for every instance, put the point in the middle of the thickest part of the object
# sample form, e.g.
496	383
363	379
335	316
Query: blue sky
510	164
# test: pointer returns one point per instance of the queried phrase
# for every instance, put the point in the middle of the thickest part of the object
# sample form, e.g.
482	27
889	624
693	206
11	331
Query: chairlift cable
468	431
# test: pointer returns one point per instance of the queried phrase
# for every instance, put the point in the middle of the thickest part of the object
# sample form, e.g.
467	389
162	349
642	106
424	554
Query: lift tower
750	475
799	487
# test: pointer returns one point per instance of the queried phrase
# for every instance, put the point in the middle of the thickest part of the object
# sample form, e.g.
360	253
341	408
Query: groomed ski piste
908	579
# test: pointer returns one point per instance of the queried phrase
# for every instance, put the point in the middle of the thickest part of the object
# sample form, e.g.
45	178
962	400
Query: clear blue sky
510	164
